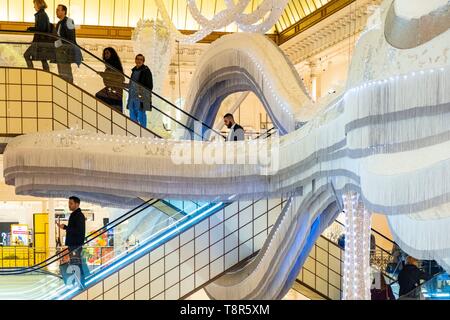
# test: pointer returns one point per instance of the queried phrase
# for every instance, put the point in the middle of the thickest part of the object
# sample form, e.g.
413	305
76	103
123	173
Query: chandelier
260	20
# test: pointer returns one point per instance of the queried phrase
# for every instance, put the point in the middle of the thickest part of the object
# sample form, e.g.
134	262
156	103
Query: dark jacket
67	53
65	32
146	81
41	24
42	47
238	133
409	279
75	229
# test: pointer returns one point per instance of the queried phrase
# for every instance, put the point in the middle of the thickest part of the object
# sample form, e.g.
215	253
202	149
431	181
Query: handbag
111	96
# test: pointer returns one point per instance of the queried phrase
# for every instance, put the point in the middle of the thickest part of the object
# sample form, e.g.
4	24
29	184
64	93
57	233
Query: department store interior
344	107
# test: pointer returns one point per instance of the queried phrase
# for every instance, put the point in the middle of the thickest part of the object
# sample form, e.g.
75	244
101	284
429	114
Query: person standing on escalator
75	233
113	79
41	49
66	52
140	91
409	279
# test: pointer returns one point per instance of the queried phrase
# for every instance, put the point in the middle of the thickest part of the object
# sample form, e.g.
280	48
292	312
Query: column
315	81
356	284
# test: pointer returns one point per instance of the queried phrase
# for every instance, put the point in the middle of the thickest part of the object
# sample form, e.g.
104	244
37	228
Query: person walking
41	48
75	233
66	53
140	91
113	79
236	131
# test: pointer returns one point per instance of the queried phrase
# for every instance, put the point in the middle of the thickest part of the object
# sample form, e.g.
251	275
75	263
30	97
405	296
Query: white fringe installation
265	64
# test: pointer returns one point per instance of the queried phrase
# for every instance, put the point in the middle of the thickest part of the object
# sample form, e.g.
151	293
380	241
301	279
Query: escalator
322	274
26	282
238	240
166	120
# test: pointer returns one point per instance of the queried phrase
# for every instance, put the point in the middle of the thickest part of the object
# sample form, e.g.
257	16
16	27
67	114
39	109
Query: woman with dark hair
112	79
42	48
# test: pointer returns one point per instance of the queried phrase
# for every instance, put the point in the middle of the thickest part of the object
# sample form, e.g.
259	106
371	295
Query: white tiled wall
37	101
322	270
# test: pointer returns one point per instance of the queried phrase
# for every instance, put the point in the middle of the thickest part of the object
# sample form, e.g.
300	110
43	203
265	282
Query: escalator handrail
265	133
56	37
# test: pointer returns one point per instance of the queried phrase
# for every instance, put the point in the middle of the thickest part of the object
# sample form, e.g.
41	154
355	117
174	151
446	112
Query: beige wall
380	224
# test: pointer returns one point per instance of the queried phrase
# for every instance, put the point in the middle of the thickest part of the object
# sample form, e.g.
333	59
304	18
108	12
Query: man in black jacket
236	131
75	232
409	279
140	91
66	53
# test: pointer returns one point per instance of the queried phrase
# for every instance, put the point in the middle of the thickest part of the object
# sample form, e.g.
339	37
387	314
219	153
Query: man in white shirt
236	131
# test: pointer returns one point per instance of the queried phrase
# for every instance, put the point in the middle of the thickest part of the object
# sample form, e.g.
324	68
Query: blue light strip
123	254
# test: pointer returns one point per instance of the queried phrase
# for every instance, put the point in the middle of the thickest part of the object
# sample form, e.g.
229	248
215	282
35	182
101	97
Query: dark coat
42	47
146	81
41	24
75	229
67	53
409	279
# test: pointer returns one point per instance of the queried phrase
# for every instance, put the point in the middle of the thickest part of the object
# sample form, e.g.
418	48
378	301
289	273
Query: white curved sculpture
249	62
387	137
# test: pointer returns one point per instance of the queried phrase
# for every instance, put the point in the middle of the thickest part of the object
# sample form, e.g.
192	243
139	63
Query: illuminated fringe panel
357	280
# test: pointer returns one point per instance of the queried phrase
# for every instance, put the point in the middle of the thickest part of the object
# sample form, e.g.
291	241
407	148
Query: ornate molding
114	33
340	26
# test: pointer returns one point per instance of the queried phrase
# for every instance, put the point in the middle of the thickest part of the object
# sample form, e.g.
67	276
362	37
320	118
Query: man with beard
236	131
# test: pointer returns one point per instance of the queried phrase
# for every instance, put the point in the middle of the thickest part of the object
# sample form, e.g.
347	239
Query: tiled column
357	249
